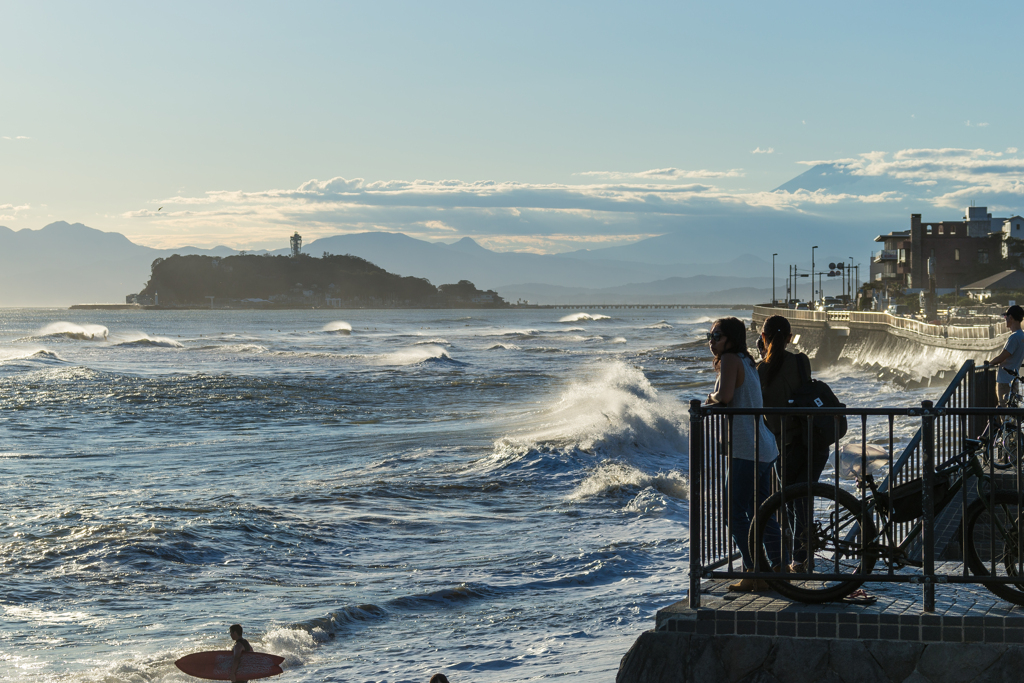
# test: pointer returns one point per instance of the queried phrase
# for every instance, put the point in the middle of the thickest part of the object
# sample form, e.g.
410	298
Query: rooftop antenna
296	243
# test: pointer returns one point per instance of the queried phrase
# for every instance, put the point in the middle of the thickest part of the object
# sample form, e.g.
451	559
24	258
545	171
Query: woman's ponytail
777	331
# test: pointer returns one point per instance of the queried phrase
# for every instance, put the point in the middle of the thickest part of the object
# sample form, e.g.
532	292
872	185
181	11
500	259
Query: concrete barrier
659	657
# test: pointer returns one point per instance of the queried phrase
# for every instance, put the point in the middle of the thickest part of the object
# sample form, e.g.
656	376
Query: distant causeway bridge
591	307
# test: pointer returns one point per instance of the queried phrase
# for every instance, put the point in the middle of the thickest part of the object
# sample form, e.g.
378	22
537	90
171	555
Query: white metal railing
894	321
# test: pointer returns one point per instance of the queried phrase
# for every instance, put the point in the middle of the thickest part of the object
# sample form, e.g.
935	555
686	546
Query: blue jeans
740	492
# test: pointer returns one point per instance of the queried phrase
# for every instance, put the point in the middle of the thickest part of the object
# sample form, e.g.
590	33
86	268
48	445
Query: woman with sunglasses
738	386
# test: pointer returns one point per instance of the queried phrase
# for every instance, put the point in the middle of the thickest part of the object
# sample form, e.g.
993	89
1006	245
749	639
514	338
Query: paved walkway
963	613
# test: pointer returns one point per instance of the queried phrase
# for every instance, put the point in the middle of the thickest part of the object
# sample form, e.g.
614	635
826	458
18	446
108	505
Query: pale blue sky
110	110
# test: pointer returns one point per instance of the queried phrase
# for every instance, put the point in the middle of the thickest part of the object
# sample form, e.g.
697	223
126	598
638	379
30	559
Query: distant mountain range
63	264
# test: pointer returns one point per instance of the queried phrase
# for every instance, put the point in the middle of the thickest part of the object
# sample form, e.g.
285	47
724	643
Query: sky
529	126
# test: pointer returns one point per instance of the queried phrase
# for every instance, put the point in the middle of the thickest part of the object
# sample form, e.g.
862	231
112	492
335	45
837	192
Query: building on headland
963	251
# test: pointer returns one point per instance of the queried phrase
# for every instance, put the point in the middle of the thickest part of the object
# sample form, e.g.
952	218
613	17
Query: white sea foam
28	353
617	477
73	331
577	317
295	645
240	348
143	339
660	325
507	347
416	354
442	342
338	327
617	340
615	412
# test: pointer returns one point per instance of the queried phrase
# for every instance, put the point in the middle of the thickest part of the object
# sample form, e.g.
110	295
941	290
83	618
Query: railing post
928	504
696	501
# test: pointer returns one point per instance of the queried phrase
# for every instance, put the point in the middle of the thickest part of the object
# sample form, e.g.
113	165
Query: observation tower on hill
296	244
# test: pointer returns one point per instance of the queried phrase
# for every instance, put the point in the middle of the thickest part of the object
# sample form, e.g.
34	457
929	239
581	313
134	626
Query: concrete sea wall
912	354
658	657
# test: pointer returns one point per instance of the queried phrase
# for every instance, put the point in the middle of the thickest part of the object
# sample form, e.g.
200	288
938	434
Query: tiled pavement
963	613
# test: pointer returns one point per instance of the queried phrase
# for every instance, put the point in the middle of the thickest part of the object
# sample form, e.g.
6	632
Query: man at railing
1012	355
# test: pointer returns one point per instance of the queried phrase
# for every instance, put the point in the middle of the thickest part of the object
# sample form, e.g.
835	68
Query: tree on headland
191	280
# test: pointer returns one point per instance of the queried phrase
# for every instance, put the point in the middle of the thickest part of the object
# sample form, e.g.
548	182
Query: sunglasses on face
714	336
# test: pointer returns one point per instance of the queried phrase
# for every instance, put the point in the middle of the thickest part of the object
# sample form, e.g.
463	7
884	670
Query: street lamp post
773	279
812	271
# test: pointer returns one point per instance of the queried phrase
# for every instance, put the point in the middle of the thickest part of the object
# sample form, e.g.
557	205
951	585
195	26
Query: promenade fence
963	411
990	331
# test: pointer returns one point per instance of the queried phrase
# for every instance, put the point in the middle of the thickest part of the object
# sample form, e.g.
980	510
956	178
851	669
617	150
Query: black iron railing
889	544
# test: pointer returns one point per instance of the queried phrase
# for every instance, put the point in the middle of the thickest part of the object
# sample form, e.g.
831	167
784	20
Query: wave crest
616	478
338	327
577	317
419	354
617	411
74	331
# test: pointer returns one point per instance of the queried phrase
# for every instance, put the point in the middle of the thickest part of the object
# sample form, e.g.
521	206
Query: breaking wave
616	413
38	354
338	327
577	317
615	478
73	331
143	339
419	354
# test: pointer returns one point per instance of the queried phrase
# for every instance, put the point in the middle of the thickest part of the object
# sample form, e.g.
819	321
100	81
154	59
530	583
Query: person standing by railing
782	373
1012	355
738	386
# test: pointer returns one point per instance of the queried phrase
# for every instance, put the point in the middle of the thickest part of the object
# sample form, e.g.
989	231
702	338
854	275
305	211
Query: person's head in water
438	678
235	631
776	333
728	335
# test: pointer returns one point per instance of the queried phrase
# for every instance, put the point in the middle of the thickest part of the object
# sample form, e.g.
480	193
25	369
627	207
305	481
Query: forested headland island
297	281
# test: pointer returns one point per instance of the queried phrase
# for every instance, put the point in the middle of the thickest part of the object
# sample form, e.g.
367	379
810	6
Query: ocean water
374	495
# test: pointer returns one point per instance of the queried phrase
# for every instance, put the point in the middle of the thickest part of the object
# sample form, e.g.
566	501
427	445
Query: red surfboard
216	665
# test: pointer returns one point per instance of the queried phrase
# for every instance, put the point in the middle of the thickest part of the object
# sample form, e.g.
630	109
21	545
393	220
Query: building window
956	254
929	229
940	229
982	256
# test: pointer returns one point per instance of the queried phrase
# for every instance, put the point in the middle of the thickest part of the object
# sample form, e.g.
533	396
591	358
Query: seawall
899	349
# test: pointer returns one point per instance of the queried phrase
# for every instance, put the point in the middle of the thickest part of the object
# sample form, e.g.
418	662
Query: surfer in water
241	645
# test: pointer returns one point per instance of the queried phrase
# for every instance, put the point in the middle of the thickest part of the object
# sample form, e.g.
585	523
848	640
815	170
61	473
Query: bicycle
1006	435
842	538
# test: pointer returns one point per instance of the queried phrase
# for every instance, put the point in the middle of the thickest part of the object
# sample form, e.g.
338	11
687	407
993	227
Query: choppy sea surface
374	495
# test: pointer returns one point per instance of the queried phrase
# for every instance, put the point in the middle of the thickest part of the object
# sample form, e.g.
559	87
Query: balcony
886	276
886	255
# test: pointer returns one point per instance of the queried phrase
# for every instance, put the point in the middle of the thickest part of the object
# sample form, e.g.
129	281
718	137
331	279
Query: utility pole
774	300
851	277
812	270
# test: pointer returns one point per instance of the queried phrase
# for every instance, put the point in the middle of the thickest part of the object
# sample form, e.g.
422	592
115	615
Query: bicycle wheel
1004	447
835	535
993	542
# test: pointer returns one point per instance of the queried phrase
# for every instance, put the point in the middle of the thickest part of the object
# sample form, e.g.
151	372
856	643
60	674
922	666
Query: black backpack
813	393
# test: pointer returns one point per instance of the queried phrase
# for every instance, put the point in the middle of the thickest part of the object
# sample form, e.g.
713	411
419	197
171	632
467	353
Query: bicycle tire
1007	544
1004	448
858	564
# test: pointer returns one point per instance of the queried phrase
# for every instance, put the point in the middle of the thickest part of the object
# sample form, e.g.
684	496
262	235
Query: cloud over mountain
545	218
944	178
